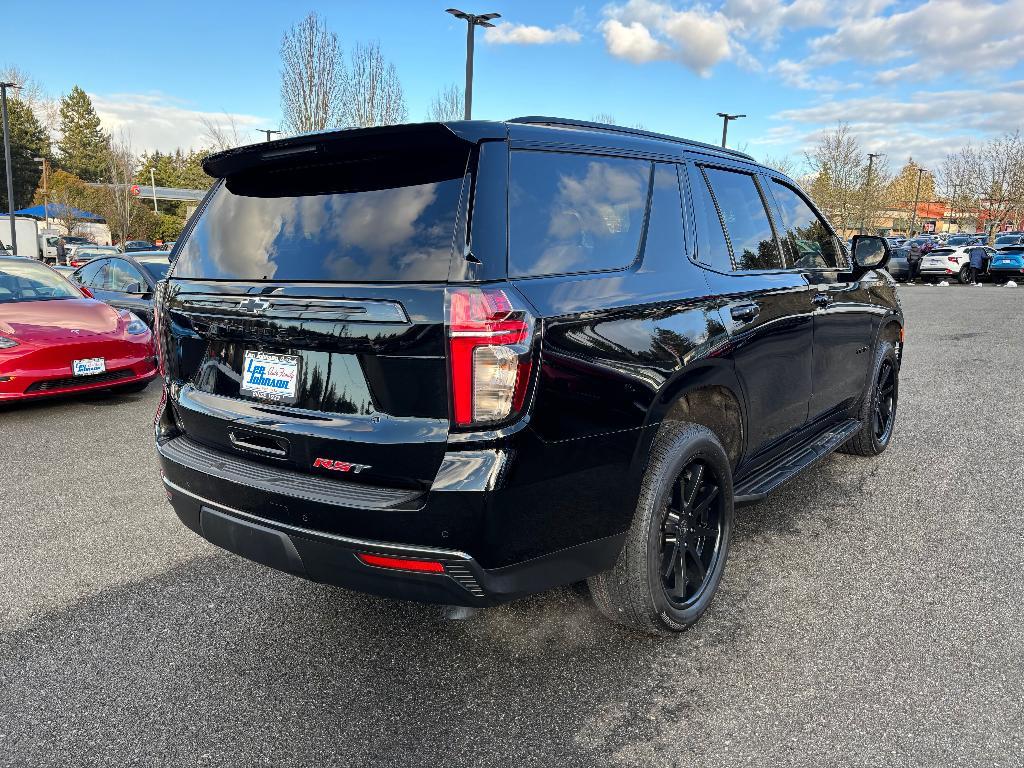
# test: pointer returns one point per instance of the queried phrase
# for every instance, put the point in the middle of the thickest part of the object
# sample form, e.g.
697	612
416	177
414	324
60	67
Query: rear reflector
402	563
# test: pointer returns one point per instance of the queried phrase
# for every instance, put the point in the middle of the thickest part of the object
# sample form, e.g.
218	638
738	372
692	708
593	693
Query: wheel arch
708	394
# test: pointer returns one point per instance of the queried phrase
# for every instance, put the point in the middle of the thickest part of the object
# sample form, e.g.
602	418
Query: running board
755	487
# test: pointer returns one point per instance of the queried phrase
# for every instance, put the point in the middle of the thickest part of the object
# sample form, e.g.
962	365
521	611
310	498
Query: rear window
574	213
362	220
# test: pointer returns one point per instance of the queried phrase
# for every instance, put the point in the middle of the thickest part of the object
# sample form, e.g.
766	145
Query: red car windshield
25	280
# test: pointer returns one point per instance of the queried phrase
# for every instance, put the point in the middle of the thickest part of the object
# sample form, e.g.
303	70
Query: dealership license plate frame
278	366
89	366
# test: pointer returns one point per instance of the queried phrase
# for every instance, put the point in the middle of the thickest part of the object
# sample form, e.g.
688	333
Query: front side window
574	213
807	240
123	275
745	218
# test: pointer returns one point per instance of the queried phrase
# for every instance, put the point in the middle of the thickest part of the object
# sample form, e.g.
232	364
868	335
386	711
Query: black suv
464	362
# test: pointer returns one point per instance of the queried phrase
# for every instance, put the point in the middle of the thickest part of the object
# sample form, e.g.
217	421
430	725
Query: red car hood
56	319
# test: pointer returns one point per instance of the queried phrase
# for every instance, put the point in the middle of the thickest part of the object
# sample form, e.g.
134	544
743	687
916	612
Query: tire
872	439
965	276
639	592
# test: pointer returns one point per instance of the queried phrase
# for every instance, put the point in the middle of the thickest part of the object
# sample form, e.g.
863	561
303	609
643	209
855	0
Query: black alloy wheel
691	532
884	402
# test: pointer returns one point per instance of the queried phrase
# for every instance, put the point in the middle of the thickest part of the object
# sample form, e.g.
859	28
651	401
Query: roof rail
566	122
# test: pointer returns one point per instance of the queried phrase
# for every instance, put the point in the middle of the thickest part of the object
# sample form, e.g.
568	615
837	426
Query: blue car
1007	263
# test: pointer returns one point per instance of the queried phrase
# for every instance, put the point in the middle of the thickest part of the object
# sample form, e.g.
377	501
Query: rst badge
340	466
270	377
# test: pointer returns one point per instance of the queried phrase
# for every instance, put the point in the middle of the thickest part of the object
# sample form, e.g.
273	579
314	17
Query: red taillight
402	563
952	259
490	355
86	292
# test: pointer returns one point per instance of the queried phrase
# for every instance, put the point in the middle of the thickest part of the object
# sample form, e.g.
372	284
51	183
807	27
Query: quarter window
807	239
574	213
745	219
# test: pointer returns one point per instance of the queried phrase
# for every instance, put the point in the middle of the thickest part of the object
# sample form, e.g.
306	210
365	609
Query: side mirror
870	252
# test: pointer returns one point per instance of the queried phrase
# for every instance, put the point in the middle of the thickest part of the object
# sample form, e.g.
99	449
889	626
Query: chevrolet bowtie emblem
253	305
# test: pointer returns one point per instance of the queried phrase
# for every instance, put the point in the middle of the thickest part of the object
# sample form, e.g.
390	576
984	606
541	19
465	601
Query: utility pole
725	123
952	207
152	186
46	195
267	131
917	197
7	161
867	189
473	20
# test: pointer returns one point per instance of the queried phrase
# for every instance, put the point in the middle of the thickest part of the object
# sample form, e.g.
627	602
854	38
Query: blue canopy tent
56	211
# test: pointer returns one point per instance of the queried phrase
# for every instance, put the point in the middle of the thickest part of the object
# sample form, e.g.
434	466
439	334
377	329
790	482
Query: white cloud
526	34
633	42
936	36
644	30
157	121
915	126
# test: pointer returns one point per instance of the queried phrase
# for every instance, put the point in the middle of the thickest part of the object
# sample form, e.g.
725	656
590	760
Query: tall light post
867	189
917	198
46	195
473	20
7	161
725	123
267	131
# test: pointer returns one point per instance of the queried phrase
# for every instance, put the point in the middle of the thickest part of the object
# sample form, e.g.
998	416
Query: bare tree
837	169
784	164
448	104
374	95
222	134
120	203
312	76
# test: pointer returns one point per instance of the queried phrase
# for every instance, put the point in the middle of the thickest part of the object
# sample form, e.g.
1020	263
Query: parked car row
55	338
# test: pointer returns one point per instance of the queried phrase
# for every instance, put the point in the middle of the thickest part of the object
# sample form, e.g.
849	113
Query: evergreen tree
28	140
83	145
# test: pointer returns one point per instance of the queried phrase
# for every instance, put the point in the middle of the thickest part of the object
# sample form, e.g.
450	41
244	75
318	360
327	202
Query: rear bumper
332	559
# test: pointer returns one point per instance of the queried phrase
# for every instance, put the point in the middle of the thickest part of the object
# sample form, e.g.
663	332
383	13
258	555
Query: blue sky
911	77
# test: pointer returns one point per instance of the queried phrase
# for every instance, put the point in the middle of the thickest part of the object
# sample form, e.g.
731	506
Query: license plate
271	377
89	367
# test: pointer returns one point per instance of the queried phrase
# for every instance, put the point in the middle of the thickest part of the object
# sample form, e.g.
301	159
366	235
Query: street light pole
725	123
867	189
267	131
7	161
152	186
473	20
917	197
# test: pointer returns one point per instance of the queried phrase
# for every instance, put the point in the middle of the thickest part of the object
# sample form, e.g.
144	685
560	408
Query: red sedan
55	339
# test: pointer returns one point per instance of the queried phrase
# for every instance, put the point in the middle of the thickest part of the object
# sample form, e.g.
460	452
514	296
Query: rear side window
387	219
808	242
712	247
574	213
745	218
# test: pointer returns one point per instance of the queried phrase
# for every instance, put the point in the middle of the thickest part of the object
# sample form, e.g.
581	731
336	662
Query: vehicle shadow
99	397
218	661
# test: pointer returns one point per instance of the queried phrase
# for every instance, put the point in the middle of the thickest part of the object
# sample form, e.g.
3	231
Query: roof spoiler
325	145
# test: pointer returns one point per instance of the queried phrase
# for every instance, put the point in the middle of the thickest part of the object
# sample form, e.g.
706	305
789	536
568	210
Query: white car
950	263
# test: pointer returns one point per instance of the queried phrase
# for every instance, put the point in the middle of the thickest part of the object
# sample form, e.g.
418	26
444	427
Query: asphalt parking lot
870	613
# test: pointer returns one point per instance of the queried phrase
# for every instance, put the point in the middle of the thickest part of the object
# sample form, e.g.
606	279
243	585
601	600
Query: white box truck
27	230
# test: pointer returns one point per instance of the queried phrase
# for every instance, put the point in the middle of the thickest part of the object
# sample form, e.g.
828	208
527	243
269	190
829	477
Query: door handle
744	312
822	300
272	446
